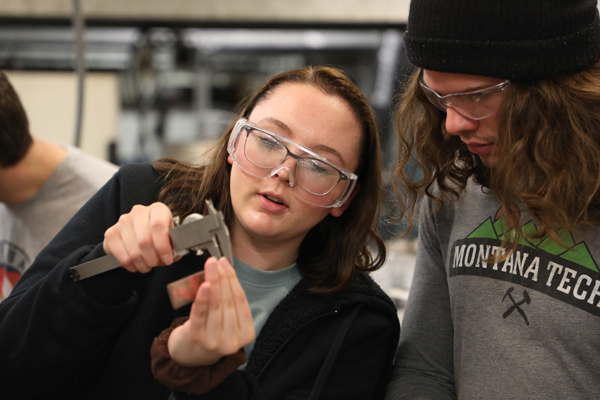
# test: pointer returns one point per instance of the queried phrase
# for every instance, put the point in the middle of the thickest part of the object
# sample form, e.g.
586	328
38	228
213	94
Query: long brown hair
333	249
549	139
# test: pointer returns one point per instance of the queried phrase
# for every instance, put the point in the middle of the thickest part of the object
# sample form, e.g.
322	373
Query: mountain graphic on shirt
575	252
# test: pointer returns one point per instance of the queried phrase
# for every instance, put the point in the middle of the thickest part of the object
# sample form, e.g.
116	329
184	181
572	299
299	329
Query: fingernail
210	265
224	264
167	259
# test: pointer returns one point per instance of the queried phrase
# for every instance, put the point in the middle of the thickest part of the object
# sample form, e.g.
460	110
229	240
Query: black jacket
91	339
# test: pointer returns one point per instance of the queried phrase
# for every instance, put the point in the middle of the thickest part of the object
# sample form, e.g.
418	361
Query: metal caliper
195	233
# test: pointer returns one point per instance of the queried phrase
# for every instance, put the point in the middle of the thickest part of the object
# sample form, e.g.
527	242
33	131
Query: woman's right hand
140	239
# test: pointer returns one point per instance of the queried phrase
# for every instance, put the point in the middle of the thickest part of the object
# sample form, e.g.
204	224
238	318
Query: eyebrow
467	90
321	147
476	88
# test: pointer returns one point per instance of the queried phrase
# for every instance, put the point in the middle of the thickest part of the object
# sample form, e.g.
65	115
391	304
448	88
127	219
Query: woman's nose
284	171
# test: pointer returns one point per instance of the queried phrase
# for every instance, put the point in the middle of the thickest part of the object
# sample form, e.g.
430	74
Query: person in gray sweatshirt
503	114
42	185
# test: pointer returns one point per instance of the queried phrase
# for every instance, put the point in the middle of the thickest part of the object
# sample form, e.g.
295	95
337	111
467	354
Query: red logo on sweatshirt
13	262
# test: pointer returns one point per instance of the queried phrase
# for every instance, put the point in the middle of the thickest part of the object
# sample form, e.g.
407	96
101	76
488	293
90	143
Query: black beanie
519	40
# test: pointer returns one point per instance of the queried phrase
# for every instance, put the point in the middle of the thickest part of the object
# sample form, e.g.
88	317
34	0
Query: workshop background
135	80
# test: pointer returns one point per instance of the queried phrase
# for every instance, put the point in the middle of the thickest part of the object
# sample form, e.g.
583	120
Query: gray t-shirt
26	229
264	291
524	328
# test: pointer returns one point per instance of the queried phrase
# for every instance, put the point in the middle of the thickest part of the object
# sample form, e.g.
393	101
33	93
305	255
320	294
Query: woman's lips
270	205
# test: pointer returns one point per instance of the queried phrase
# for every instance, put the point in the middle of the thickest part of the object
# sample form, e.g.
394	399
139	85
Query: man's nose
456	123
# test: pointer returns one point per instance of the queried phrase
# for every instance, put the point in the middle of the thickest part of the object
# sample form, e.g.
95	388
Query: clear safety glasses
476	105
261	153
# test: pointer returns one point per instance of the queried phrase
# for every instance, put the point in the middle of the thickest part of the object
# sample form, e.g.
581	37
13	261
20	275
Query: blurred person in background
503	115
297	316
42	185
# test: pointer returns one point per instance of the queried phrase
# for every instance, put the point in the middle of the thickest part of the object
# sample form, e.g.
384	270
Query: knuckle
137	208
160	208
110	233
124	218
156	224
156	205
127	263
144	269
145	241
136	256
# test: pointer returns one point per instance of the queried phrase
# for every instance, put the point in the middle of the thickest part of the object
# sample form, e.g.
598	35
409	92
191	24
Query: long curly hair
549	141
335	248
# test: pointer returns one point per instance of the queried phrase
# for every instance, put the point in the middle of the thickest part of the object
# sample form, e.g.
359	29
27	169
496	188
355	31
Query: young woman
298	181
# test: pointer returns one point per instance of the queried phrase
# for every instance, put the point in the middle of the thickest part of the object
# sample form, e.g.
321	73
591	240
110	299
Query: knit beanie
519	40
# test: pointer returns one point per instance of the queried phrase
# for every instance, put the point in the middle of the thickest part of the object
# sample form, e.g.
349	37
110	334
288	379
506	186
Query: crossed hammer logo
516	306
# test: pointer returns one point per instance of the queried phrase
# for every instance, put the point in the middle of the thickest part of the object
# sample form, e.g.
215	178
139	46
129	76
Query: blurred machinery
179	85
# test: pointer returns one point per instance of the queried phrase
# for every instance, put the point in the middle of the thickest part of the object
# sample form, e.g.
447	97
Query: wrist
195	380
188	353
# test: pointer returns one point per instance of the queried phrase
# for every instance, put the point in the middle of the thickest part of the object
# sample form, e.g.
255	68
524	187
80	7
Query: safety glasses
262	153
476	105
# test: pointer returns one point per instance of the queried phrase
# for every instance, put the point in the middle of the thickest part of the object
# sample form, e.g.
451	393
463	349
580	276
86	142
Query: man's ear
338	211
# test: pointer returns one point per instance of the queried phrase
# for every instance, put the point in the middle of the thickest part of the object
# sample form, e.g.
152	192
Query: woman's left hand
220	320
